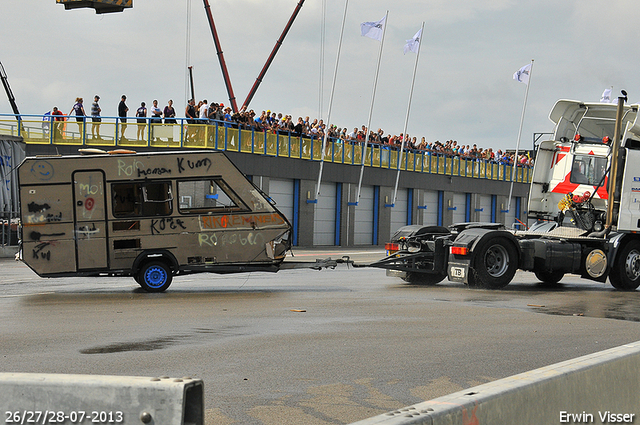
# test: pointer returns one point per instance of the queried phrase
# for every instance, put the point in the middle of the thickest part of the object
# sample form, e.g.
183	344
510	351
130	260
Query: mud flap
458	272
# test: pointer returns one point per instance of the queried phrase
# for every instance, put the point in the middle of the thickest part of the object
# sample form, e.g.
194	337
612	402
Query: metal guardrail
55	398
39	129
598	388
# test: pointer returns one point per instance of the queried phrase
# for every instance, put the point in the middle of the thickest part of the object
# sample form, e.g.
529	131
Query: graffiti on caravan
209	222
127	168
159	225
42	170
201	163
241	238
42	251
136	168
38	215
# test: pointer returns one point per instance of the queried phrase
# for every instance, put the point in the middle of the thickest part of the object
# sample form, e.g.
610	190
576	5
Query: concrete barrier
600	388
52	398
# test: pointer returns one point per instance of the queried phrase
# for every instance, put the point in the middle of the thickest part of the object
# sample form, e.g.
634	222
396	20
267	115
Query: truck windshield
588	169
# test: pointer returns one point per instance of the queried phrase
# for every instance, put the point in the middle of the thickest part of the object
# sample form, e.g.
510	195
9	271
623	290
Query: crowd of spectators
269	121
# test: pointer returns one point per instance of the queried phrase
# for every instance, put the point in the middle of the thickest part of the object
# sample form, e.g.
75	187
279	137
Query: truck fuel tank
550	255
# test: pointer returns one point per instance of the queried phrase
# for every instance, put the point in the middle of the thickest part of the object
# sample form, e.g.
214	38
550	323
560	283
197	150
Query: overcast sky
464	88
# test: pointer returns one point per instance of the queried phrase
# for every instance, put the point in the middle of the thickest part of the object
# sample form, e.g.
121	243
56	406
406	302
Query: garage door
324	225
363	227
281	191
399	211
460	204
430	214
485	204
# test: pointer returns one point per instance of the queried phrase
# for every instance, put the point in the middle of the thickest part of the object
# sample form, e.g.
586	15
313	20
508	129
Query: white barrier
27	398
600	388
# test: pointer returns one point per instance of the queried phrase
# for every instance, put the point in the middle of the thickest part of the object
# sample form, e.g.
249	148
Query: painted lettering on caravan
88	189
158	171
213	239
182	165
42	251
87	231
127	168
42	218
160	225
210	222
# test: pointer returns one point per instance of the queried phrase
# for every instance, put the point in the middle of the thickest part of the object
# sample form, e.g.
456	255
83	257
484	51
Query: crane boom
7	88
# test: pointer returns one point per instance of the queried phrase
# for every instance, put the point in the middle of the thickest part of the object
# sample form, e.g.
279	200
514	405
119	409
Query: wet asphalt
305	346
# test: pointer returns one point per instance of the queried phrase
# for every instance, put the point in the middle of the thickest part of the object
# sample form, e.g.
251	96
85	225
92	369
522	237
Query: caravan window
142	199
208	195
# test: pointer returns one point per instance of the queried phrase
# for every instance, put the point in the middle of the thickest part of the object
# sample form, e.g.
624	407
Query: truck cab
584	201
576	159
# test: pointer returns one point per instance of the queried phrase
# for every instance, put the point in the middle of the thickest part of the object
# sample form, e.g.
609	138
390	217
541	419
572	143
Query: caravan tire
155	276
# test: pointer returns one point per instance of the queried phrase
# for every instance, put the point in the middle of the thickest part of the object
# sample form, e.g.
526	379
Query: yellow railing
110	132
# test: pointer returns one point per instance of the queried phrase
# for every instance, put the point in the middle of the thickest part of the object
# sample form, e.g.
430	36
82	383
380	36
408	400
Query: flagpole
333	87
515	159
406	120
373	97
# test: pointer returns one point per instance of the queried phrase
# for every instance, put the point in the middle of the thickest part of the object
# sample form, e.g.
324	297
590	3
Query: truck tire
495	263
155	276
424	278
549	278
472	280
625	273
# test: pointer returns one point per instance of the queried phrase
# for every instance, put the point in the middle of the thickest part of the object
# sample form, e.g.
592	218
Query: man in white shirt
204	111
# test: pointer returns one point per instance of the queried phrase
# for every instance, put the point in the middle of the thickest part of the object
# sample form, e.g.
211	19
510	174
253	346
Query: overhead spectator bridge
110	132
433	189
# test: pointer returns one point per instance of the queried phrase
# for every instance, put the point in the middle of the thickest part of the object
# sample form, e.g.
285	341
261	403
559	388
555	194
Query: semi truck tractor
583	211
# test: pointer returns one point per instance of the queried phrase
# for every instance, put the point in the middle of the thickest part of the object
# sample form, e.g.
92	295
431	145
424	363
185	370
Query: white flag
522	75
414	44
606	96
373	29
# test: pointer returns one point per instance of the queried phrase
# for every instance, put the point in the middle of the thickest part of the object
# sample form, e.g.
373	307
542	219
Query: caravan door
90	219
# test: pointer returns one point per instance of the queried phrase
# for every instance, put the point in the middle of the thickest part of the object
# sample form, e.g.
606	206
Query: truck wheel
472	279
495	263
549	278
155	276
424	278
625	273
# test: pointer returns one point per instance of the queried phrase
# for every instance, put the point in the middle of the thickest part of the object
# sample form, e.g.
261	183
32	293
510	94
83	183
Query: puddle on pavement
611	308
164	342
102	298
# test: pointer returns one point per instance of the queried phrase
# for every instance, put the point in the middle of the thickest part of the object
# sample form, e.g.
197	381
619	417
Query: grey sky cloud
464	87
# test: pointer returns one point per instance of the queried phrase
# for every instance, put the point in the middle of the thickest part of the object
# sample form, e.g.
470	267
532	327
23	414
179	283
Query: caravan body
182	212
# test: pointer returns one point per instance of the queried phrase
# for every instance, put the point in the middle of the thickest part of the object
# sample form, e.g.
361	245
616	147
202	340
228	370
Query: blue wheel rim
155	276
